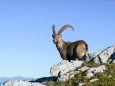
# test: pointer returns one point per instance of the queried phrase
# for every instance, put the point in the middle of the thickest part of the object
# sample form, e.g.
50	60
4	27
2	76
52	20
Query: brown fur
70	50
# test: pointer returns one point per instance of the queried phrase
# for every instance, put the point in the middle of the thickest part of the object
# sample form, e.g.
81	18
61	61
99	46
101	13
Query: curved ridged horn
63	28
53	28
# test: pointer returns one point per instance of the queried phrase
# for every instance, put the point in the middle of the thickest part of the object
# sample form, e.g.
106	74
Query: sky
26	44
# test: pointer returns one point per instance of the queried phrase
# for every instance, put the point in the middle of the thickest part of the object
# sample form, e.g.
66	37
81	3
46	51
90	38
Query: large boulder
103	56
65	69
21	83
92	71
66	73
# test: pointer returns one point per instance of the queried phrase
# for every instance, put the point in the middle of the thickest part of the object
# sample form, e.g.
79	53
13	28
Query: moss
90	64
106	78
103	81
60	84
51	83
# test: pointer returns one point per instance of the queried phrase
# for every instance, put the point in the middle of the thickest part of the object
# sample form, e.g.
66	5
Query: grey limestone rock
92	71
65	70
64	67
103	56
67	76
21	83
81	84
93	80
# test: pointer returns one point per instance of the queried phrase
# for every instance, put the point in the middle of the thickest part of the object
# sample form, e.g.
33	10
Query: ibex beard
69	50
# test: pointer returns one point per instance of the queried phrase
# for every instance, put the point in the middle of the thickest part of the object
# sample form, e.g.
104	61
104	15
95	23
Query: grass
106	78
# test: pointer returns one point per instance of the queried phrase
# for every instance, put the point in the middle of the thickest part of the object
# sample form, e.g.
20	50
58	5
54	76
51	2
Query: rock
83	69
92	71
21	83
112	59
64	67
103	56
109	76
81	84
65	70
93	80
67	76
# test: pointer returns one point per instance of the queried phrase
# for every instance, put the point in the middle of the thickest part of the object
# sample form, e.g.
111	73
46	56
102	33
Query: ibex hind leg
84	57
80	53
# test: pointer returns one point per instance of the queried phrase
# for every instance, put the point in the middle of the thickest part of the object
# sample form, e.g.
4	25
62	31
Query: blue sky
26	46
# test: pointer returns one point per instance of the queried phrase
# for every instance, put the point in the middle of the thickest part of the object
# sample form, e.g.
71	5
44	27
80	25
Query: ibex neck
60	44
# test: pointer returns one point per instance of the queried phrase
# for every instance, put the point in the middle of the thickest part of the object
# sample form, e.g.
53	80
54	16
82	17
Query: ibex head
57	36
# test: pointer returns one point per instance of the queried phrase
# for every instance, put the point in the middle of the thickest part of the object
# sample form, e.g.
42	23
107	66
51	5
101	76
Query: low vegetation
106	78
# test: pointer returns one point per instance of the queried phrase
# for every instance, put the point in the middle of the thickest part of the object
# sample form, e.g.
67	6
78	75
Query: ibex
69	50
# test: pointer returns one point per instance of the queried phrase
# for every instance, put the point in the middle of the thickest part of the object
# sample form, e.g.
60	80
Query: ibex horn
63	28
53	28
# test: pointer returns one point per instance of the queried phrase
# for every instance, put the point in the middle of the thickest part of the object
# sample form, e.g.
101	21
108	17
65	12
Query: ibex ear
60	35
53	28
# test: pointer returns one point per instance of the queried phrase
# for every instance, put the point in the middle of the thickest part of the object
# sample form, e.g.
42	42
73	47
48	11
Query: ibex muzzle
69	50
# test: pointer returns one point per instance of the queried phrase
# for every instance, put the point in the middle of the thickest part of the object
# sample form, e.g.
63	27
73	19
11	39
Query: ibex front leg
64	57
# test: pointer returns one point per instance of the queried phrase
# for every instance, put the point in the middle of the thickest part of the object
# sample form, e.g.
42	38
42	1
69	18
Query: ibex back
69	50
